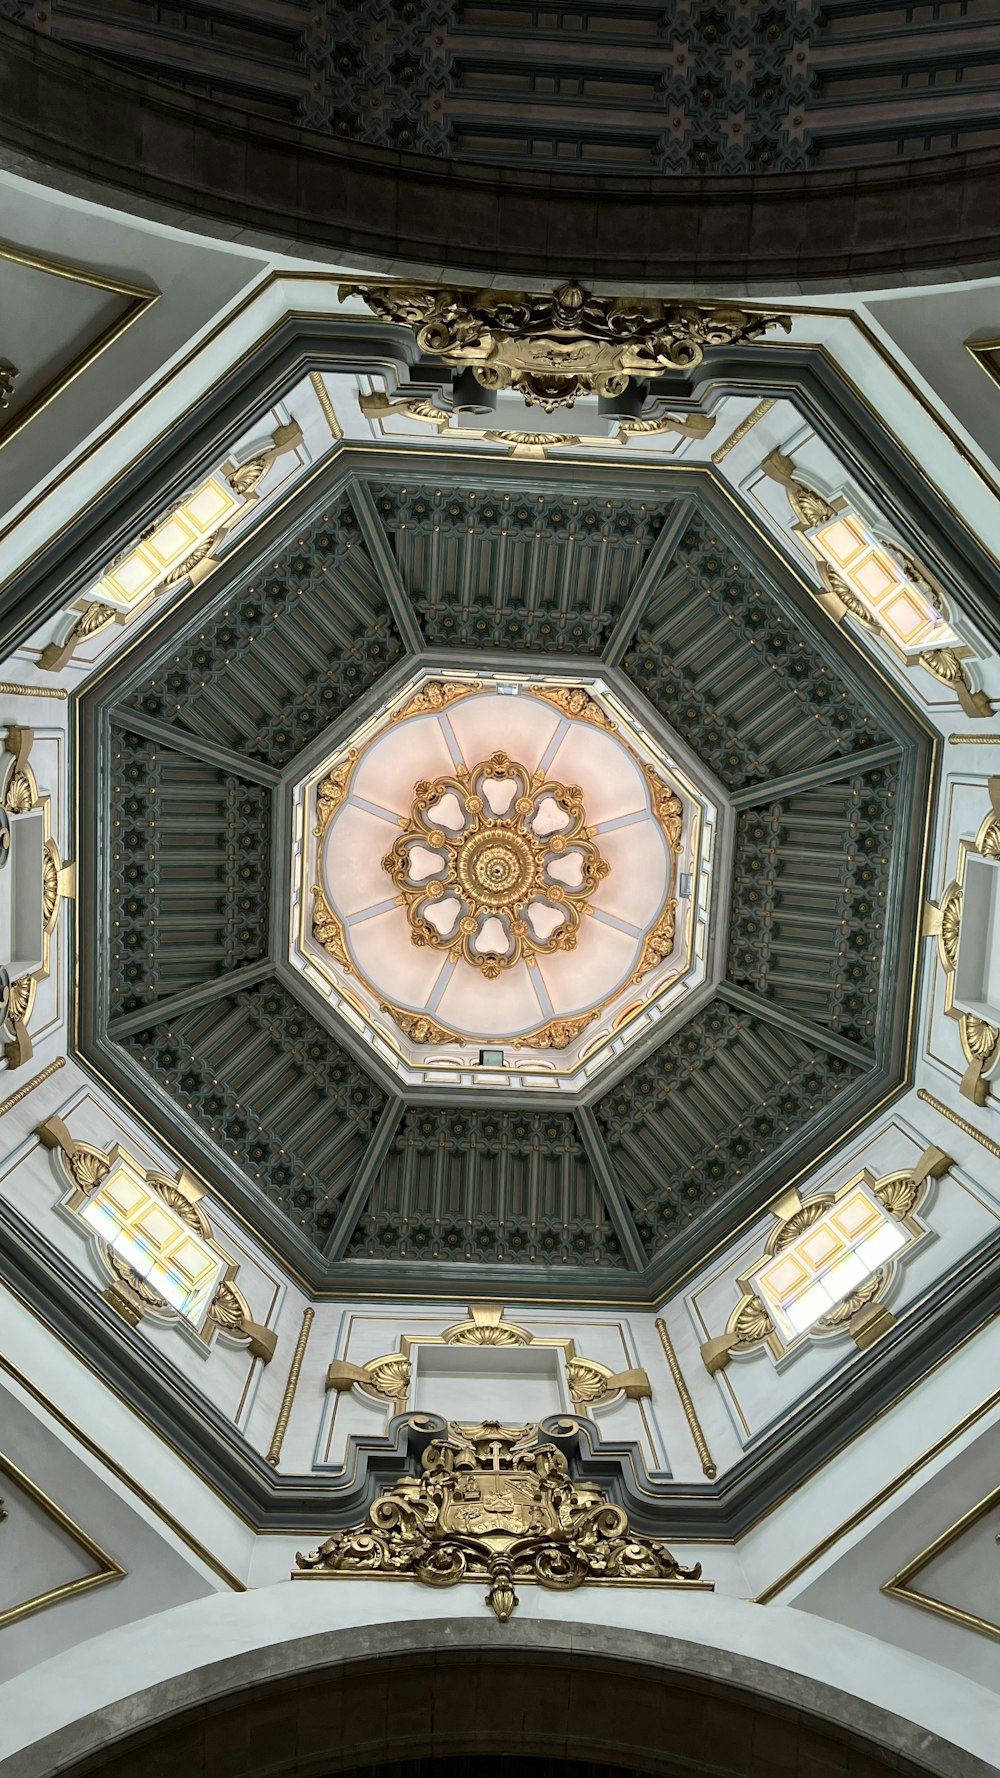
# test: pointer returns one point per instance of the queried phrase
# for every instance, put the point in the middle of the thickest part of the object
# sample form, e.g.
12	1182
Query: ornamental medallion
496	864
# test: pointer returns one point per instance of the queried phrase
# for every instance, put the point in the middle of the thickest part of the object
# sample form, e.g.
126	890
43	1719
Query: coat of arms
492	1502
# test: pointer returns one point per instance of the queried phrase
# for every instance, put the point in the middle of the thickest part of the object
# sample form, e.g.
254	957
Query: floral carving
553	348
491	1505
489	855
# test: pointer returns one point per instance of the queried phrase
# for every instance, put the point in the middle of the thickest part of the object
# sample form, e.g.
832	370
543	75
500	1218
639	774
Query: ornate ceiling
625	87
432	674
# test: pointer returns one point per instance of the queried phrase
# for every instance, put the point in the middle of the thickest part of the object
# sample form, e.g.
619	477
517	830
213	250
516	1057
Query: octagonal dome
622	644
505	876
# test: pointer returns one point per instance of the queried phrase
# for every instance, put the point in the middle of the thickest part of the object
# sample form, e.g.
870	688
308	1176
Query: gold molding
129	1481
29	1086
287	1399
8	376
981	352
690	1412
960	1123
898	1585
490	1503
107	1567
942	921
739	433
974	740
388	1378
140	299
552	348
33	691
322	394
869	1506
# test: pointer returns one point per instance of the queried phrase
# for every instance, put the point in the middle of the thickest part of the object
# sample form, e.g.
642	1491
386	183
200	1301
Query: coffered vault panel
202	729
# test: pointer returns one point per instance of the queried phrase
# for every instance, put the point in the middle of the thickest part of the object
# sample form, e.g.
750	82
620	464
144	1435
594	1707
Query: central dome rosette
502	873
497	864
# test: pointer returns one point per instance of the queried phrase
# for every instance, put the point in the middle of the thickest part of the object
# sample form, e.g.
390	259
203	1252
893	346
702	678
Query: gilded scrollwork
436	695
486	856
557	1034
659	943
417	1026
328	931
331	790
573	701
492	1504
553	348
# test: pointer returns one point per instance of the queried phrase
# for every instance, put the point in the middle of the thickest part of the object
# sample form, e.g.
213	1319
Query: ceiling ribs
357	1195
156	1012
649	580
825	771
818	1035
180	740
384	562
612	1191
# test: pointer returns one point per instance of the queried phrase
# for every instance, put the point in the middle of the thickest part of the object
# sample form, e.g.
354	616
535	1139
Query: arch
298	1682
114	132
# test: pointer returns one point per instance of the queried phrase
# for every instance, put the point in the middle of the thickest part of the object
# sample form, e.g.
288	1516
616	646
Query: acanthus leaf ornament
492	1504
553	348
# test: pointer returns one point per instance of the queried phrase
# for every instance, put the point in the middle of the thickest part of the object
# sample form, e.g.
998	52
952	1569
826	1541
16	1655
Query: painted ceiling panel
719	659
718	1097
481	1185
810	899
190	868
274	1092
520	570
288	654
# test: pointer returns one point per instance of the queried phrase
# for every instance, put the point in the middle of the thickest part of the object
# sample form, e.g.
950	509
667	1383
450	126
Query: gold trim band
37	691
285	1410
322	394
686	1403
29	1086
107	1567
974	740
739	432
960	1123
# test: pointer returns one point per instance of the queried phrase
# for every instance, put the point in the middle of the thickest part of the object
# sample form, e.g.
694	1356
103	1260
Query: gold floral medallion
496	864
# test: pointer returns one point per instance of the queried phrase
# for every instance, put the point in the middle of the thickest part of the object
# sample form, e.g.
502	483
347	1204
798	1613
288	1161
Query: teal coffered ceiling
189	745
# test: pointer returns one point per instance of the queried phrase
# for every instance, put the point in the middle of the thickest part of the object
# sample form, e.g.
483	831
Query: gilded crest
492	1503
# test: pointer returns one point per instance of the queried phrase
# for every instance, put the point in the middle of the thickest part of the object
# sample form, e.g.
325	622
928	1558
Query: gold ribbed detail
686	1403
285	1410
960	1123
29	1086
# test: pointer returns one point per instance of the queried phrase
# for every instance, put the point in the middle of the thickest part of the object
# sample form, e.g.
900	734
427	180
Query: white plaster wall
267	1629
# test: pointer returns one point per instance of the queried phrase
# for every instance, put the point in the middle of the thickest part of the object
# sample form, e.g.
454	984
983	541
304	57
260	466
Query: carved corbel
91	620
247	476
384	1379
